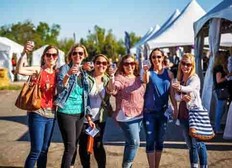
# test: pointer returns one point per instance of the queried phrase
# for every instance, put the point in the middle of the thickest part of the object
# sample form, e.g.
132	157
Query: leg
149	126
131	132
67	125
99	151
84	156
49	127
220	108
36	129
78	127
191	143
202	153
162	127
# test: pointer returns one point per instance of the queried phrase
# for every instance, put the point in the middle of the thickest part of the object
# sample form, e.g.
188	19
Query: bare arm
219	78
20	67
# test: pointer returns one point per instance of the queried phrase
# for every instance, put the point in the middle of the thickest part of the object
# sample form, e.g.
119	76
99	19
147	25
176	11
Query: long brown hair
120	65
193	69
155	49
42	62
221	59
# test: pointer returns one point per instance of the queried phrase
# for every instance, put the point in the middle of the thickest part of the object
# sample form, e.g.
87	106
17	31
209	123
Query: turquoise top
74	103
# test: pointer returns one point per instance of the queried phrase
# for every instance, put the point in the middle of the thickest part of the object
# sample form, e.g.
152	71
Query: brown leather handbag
30	96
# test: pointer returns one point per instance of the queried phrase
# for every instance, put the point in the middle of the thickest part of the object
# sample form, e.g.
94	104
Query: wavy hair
120	69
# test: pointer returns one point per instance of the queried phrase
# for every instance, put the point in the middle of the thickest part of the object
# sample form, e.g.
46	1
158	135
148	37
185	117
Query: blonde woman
188	94
72	98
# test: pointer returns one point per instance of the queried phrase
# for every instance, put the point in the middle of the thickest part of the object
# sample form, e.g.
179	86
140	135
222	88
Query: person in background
156	98
188	94
98	97
128	90
166	63
41	122
72	102
220	81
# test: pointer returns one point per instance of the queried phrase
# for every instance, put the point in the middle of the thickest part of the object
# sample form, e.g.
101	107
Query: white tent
36	56
180	31
215	23
7	49
142	41
174	15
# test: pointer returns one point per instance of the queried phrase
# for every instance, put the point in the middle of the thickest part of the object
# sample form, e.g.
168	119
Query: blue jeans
220	109
131	132
155	125
197	149
40	129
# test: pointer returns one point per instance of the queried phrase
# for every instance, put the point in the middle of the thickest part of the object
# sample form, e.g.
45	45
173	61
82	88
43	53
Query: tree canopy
97	41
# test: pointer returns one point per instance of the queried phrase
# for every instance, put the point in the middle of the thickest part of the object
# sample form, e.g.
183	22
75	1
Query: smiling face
100	64
77	55
186	65
50	57
129	66
157	58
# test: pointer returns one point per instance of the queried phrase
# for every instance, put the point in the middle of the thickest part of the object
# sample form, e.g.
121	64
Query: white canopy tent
216	22
36	56
7	49
173	16
180	31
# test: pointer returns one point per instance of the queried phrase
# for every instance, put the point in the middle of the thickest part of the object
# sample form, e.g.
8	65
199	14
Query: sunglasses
77	53
158	56
104	63
186	64
129	63
49	55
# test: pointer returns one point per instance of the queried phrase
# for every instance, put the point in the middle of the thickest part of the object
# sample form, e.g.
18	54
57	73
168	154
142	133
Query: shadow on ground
114	136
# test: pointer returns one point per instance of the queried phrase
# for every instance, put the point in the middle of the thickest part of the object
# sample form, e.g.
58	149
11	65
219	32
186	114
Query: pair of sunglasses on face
156	56
129	64
51	55
75	53
186	64
104	63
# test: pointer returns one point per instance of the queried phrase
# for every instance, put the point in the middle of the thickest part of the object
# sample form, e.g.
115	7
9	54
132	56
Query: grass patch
11	87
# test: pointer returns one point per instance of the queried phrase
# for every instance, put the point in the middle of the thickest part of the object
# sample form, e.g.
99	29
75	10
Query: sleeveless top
47	86
157	92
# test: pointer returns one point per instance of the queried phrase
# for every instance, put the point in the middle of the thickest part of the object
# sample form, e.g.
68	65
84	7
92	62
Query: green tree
104	42
22	32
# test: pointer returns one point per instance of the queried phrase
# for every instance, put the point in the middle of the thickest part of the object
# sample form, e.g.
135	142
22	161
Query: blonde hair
69	55
193	69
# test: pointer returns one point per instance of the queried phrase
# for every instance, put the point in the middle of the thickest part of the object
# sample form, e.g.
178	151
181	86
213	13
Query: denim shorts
155	125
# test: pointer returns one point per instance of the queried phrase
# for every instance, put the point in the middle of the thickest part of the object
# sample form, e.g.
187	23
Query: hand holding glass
146	64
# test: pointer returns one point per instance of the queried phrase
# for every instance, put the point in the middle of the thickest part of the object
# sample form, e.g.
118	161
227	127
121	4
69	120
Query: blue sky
79	16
